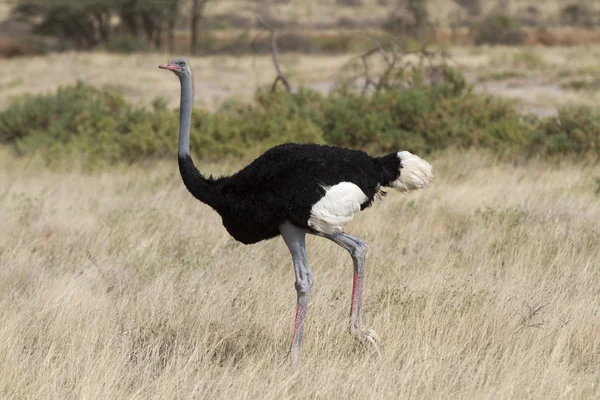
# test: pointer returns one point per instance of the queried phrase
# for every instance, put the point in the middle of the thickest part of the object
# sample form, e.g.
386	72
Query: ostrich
295	189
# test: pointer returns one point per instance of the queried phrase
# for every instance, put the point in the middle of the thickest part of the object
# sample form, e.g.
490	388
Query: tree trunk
149	27
197	12
194	26
171	35
128	17
158	37
171	25
103	22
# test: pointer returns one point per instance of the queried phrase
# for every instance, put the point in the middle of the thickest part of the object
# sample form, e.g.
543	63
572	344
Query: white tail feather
415	173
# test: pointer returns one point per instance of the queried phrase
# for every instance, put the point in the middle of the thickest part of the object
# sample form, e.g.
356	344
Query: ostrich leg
358	250
294	239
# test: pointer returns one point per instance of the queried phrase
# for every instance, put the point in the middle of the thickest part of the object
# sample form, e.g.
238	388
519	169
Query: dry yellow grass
121	285
442	12
220	77
137	76
321	12
4	9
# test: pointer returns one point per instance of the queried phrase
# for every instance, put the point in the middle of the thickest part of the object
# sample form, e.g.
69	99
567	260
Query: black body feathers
284	183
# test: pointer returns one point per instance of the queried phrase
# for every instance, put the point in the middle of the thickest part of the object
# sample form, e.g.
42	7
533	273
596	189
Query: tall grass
120	285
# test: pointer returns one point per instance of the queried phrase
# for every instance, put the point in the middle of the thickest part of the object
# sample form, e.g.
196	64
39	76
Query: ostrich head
180	66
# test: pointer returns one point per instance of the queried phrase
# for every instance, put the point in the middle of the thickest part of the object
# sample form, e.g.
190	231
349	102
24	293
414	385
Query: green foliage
575	131
529	59
287	41
500	76
410	18
473	7
499	29
85	123
349	3
578	14
85	24
96	127
582	84
82	22
125	44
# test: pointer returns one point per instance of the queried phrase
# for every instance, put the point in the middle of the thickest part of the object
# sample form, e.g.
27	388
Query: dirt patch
531	92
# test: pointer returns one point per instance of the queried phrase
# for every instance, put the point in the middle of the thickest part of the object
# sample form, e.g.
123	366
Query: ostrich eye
181	63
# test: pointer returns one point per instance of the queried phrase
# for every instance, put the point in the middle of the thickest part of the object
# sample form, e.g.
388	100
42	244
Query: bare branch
368	80
280	76
399	66
384	78
379	46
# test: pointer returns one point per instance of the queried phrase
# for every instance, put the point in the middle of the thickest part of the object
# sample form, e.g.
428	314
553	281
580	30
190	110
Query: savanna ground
119	284
541	79
328	12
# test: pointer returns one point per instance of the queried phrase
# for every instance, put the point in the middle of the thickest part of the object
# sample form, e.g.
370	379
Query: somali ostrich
295	189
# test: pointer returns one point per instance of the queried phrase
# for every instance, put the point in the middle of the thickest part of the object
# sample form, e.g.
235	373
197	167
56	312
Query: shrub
411	17
529	59
500	76
577	14
581	84
95	127
473	7
499	29
86	123
98	126
22	47
288	41
530	16
125	44
349	3
575	131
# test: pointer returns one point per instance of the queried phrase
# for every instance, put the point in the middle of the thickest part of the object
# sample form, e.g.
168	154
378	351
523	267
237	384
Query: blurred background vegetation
401	87
228	26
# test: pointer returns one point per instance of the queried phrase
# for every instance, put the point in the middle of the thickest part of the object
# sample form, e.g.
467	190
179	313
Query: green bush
578	14
575	131
583	84
96	127
87	123
499	29
125	44
529	59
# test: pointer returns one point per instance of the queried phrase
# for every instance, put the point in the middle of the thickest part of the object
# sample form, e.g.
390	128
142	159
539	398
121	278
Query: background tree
82	23
197	13
85	24
173	14
473	7
410	18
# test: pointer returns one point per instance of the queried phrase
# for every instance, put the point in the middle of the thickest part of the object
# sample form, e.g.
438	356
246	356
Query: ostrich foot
367	337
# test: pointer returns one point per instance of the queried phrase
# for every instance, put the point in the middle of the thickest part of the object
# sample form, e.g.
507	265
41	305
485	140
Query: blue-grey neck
185	113
203	189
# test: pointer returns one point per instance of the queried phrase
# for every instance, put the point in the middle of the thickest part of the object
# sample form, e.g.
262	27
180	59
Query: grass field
327	12
330	12
540	78
121	285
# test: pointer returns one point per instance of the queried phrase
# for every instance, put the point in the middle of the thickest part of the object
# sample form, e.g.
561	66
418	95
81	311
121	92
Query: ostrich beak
169	66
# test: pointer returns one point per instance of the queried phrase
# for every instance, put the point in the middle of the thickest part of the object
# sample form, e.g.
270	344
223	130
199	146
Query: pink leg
356	297
301	309
296	324
358	250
